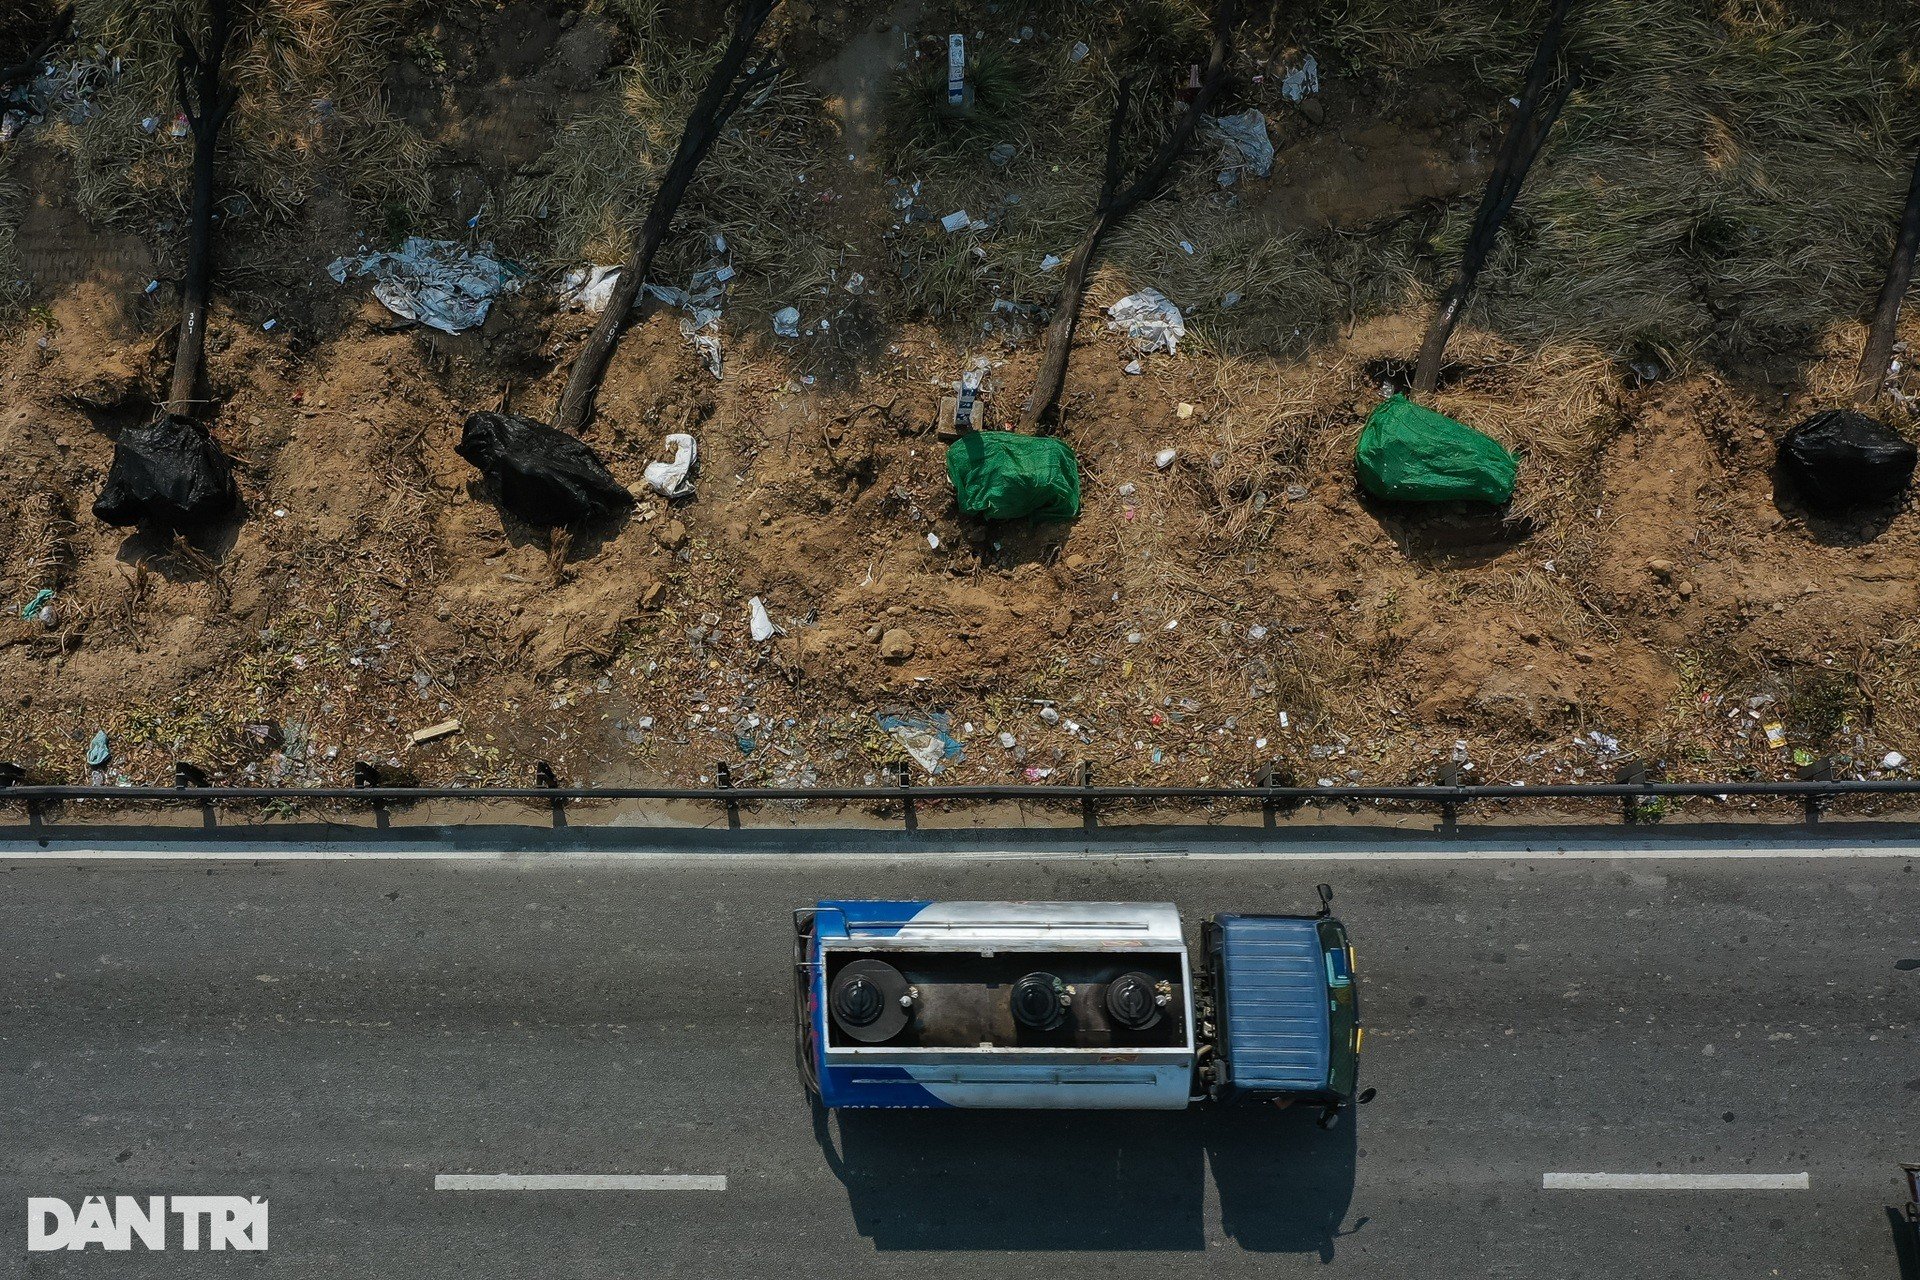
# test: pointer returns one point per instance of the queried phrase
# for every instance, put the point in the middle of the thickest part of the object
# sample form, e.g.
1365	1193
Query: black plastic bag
543	476
1840	458
167	474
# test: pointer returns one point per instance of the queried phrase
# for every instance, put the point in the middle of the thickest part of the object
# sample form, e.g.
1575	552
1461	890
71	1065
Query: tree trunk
1878	356
717	102
29	67
206	103
1115	204
1526	135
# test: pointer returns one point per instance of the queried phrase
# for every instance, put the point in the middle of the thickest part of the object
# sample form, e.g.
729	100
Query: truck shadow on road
958	1180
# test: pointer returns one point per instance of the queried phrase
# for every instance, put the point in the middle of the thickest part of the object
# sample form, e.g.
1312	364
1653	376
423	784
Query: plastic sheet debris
98	752
925	740
439	283
958	220
167	473
1301	80
543	476
670	478
786	322
1050	261
1164	459
1840	459
1892	760
1079	51
758	623
1776	734
1244	139
32	608
590	288
1153	322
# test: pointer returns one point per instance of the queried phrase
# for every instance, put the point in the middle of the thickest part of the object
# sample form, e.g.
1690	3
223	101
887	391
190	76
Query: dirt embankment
1654	593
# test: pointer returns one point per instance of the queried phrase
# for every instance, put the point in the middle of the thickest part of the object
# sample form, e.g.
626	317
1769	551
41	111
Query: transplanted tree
1115	202
545	475
169	474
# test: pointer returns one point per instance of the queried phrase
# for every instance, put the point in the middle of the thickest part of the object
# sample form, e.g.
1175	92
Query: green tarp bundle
1004	476
1411	454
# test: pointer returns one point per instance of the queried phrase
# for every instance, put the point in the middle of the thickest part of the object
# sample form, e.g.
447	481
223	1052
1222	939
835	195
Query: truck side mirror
1326	898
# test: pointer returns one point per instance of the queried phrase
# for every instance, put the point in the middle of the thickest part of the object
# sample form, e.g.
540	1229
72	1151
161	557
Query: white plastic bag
670	478
1150	320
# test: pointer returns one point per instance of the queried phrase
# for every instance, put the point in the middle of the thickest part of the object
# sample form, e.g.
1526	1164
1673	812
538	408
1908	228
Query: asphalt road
333	1035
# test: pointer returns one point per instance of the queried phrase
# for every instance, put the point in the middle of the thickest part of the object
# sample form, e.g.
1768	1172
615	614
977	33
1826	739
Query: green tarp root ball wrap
1411	454
1004	476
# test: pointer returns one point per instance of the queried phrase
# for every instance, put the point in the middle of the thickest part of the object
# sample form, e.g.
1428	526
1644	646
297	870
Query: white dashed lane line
1674	1182
579	1182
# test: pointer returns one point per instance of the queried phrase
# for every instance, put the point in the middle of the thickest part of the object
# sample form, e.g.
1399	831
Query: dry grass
311	111
594	184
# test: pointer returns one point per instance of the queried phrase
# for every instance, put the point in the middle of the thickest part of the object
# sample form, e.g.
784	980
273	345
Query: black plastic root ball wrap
1841	459
167	474
543	476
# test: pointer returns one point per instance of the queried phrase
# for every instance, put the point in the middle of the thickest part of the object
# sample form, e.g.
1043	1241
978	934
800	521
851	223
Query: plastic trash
1408	453
1164	459
440	283
1049	262
1892	760
1079	51
1841	459
1150	320
98	752
543	476
1303	80
167	473
786	322
925	740
670	478
31	609
1003	476
958	220
590	288
758	622
1244	138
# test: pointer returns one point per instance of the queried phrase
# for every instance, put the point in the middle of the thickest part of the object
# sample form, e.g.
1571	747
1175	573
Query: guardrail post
11	775
1820	770
725	776
1449	808
1633	774
1267	808
544	776
1089	811
365	776
911	818
186	774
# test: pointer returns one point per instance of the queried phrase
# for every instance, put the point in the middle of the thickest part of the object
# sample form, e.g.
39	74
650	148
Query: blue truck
1068	1005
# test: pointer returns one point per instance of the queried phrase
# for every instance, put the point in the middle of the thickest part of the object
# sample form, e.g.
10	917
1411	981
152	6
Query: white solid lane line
1674	1182
579	1182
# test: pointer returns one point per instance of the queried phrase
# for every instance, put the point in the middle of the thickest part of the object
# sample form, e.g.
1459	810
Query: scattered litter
933	541
271	325
98	752
1183	411
758	622
440	283
1244	139
1186	247
1128	490
1002	154
958	220
33	607
445	728
1258	632
925	740
1079	51
1048	263
1231	301
1301	80
590	288
1892	760
1050	715
1033	773
786	322
1150	320
1134	367
856	283
1008	741
153	287
1164	459
1776	734
670	478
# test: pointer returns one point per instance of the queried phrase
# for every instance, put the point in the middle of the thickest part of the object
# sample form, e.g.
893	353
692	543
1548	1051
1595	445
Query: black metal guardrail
1634	791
